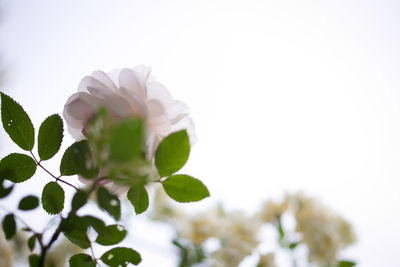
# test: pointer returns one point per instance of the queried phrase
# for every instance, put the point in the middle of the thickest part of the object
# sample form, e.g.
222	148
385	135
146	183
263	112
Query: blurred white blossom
238	235
238	239
201	227
324	232
271	210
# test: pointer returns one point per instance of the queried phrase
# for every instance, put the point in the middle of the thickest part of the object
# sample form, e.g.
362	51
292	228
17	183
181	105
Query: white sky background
286	95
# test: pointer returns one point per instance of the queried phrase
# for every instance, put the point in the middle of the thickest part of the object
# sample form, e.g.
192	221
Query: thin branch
92	252
52	175
47	247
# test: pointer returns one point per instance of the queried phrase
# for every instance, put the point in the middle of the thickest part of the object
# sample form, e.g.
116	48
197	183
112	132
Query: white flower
195	228
272	210
124	93
324	232
238	238
200	227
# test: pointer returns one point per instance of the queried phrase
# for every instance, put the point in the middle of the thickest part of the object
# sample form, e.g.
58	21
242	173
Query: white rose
128	92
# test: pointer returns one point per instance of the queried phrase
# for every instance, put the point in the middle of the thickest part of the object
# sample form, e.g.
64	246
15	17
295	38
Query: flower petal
118	106
143	73
128	79
137	105
177	111
159	92
94	86
76	133
104	79
158	119
114	76
81	106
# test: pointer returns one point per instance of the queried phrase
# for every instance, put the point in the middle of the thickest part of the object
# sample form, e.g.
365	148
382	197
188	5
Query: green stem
280	230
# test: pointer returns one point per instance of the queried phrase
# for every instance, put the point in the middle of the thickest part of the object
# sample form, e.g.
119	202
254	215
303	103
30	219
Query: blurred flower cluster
323	231
226	239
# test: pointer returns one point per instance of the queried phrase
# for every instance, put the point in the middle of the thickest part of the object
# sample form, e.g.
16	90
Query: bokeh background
287	96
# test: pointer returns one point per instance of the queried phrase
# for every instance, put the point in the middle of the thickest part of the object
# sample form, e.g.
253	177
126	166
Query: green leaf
17	167
34	260
346	264
50	137
172	153
17	123
73	222
121	256
184	188
293	245
32	242
79	200
3	190
126	139
111	235
78	238
81	260
9	226
109	202
98	133
75	228
134	173
28	203
78	159
53	198
139	198
97	224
